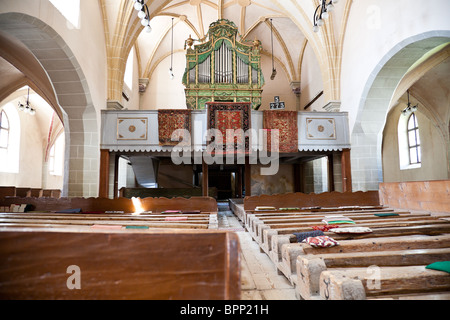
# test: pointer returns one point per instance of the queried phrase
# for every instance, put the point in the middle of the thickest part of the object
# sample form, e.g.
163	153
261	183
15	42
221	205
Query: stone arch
71	98
374	105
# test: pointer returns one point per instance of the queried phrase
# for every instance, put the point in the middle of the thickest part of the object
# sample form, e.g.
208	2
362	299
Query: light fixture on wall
26	107
143	14
410	108
172	76
274	71
322	13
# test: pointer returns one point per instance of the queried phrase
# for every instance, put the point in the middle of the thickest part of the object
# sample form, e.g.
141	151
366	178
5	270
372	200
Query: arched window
56	157
4	135
9	139
70	10
128	77
415	156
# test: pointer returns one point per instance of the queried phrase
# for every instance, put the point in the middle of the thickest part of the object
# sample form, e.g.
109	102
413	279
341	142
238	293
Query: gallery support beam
103	189
205	179
346	171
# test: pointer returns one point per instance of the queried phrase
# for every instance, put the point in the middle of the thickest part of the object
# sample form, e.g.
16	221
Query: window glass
4	130
9	139
414	140
70	9
128	78
56	157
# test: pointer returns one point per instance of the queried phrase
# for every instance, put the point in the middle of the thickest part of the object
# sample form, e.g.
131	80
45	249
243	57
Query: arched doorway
59	79
367	135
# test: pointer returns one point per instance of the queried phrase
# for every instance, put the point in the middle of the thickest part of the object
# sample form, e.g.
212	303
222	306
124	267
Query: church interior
225	149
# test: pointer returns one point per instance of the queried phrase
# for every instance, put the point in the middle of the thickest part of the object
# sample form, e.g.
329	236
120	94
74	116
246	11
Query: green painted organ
223	69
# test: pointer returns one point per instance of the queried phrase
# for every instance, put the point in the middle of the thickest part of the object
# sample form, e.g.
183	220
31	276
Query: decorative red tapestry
169	121
228	115
286	123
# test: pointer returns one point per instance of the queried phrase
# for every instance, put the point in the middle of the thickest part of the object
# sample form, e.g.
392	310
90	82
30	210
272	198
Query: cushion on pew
137	227
76	210
106	226
303	235
440	266
265	208
175	218
171	211
337	219
352	230
386	214
321	242
325	228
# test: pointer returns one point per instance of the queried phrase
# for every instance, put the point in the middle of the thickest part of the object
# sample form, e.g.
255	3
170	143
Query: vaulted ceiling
251	17
291	22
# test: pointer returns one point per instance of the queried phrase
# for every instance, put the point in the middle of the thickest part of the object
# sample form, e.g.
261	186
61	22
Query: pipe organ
223	69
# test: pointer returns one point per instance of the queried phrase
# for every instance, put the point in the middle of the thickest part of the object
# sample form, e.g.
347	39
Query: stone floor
259	277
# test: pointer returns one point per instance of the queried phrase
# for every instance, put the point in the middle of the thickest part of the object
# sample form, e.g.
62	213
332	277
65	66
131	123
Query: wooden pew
165	192
153	205
326	199
304	221
280	240
293	251
380	226
273	230
193	221
359	284
119	264
393	251
7	191
313	216
237	207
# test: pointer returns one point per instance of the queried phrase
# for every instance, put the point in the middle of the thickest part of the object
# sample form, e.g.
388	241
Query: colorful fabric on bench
440	266
263	208
171	211
352	230
321	242
137	227
77	210
337	219
106	226
176	219
324	228
303	235
386	214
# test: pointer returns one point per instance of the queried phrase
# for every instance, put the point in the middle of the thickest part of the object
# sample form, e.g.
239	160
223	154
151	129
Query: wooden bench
35	220
285	251
292	251
153	205
118	264
165	192
359	283
391	251
380	227
326	199
7	191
